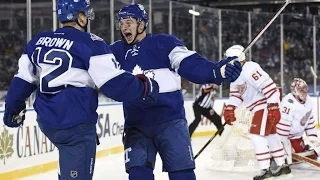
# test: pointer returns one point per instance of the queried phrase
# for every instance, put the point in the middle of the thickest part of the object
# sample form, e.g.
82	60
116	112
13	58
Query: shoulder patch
290	101
95	37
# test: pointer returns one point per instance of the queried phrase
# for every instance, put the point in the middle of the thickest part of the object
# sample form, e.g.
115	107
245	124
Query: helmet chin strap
134	39
85	27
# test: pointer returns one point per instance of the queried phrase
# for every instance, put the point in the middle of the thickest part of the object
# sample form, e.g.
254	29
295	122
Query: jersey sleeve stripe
25	71
178	54
102	68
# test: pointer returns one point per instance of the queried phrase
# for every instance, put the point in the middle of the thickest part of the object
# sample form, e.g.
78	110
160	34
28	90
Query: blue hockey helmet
68	10
133	11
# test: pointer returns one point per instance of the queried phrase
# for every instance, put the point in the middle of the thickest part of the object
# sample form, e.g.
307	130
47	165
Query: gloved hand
274	114
230	68
229	115
315	141
151	88
11	120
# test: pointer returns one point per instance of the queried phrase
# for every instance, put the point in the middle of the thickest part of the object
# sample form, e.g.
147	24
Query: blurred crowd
297	42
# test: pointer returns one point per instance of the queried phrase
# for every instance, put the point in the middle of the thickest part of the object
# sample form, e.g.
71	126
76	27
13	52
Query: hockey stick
307	160
215	134
266	27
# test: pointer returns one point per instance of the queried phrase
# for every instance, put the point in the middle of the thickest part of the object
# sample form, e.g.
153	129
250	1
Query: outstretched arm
118	84
193	67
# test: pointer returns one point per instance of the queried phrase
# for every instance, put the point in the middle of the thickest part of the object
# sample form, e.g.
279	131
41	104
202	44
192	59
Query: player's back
65	95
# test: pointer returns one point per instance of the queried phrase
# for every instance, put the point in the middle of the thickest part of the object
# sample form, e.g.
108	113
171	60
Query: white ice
112	168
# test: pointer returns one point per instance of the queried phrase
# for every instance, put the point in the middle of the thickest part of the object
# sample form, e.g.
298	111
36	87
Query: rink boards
25	151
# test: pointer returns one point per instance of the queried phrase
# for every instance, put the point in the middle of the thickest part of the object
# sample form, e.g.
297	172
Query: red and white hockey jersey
254	88
296	118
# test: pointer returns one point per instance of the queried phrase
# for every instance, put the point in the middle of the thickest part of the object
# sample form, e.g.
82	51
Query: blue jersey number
53	64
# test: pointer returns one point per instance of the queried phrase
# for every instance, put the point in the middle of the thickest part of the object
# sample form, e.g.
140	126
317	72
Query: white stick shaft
266	27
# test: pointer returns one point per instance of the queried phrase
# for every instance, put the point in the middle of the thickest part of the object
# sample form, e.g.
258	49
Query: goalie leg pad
141	172
185	174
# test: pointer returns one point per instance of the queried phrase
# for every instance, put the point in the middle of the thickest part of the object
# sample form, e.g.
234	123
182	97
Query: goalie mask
299	89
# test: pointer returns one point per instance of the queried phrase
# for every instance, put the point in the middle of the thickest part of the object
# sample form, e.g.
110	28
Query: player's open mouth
128	36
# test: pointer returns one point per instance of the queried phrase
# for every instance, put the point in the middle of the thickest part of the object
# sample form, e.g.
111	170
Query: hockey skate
265	174
283	170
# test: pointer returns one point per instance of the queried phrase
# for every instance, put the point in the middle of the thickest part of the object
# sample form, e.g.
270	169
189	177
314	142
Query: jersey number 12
53	64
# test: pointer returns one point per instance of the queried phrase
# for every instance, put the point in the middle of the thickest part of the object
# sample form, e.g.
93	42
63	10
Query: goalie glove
229	115
314	141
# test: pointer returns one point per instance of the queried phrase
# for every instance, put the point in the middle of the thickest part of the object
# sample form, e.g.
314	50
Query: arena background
286	50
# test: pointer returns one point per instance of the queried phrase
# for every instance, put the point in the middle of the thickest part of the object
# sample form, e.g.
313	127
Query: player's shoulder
249	67
94	39
252	64
289	100
309	101
163	37
116	44
166	41
97	44
36	37
34	40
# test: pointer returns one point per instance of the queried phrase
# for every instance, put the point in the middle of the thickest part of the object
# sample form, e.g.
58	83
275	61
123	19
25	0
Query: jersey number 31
53	64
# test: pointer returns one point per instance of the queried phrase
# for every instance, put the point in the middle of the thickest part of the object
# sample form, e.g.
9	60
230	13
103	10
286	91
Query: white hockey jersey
296	118
254	88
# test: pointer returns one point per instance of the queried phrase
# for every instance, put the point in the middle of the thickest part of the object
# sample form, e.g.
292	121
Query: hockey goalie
297	119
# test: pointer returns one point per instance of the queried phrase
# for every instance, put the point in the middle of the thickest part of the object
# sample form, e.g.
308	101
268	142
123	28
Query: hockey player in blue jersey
64	67
161	127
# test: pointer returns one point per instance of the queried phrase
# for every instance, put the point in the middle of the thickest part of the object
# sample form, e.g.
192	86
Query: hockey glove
314	140
13	121
151	88
274	114
229	115
230	68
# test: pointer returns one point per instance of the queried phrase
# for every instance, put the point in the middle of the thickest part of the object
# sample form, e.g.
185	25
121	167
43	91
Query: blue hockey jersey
65	67
164	58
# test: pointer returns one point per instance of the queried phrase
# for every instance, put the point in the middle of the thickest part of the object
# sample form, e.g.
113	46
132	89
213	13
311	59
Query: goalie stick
307	160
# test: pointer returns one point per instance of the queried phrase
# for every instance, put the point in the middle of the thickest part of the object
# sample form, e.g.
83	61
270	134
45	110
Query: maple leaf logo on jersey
242	88
149	74
137	70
